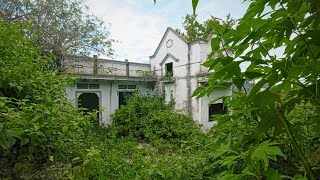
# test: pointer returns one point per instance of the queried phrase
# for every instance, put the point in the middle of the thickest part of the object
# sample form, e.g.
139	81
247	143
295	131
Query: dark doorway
217	108
123	97
89	101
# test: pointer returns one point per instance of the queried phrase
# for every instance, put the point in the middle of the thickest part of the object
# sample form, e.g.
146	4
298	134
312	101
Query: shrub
35	116
151	119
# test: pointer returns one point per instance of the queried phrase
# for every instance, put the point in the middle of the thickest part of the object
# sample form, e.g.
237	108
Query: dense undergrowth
271	133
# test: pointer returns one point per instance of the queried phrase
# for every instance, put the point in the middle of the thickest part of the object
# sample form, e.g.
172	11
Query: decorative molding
169	43
166	57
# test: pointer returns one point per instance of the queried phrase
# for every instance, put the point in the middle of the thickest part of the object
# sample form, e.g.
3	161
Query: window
88	86
132	87
122	86
127	86
215	109
169	69
94	86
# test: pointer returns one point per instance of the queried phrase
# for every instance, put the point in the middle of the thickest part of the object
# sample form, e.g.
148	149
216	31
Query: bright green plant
35	117
291	78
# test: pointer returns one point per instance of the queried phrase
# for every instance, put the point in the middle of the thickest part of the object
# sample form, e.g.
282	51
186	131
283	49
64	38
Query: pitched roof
179	36
164	37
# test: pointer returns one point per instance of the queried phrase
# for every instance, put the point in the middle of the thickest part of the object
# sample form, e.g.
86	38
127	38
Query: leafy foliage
35	116
278	40
194	30
62	26
150	119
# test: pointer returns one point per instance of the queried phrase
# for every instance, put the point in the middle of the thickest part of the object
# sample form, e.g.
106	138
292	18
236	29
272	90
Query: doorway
90	103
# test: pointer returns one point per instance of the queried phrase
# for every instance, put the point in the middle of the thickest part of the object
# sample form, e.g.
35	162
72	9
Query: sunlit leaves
194	5
265	151
280	41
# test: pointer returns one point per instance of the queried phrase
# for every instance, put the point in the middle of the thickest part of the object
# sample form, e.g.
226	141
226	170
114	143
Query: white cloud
139	25
138	34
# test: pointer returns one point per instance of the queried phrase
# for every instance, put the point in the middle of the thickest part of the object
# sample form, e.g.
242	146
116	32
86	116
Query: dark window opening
215	109
132	87
169	69
123	98
88	86
94	86
89	102
122	86
127	86
82	86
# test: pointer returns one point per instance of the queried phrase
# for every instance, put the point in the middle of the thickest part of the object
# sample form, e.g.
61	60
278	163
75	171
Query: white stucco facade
188	75
175	71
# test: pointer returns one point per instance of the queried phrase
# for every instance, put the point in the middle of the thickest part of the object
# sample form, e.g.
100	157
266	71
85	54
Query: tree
194	30
34	112
291	78
62	27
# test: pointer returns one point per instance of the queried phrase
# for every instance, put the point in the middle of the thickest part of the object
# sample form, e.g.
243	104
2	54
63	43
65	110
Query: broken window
169	69
215	109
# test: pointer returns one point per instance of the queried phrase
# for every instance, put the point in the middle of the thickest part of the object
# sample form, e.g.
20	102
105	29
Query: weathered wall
109	91
187	75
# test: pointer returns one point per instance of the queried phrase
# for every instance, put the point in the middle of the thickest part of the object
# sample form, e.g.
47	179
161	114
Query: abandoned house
175	71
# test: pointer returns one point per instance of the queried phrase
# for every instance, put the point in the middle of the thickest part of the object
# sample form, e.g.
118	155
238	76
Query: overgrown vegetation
280	42
149	119
35	117
272	132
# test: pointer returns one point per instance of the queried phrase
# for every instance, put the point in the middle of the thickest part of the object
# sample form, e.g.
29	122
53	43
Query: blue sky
138	25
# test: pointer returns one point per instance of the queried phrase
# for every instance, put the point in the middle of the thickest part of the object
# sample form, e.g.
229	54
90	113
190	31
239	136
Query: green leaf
194	5
238	82
24	141
265	151
215	44
6	142
64	129
253	75
13	133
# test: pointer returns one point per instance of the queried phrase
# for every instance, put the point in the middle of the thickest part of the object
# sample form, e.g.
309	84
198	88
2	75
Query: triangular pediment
169	29
167	57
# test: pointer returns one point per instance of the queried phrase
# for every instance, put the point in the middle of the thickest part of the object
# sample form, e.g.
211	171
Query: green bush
35	116
151	119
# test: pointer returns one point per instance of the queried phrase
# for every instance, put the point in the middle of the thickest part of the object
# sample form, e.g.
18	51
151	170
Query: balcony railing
102	67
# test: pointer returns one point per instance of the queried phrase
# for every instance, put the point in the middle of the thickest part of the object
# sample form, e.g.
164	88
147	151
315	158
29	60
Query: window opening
88	86
215	109
169	69
122	86
127	86
82	86
132	87
94	86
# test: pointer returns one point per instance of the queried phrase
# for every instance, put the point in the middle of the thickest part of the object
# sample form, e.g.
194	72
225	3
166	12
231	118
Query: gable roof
180	37
164	37
166	57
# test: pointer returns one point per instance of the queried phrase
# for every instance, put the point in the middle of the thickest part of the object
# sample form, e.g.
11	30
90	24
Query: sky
138	25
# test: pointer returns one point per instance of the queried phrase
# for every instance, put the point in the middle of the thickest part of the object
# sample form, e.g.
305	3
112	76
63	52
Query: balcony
94	68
